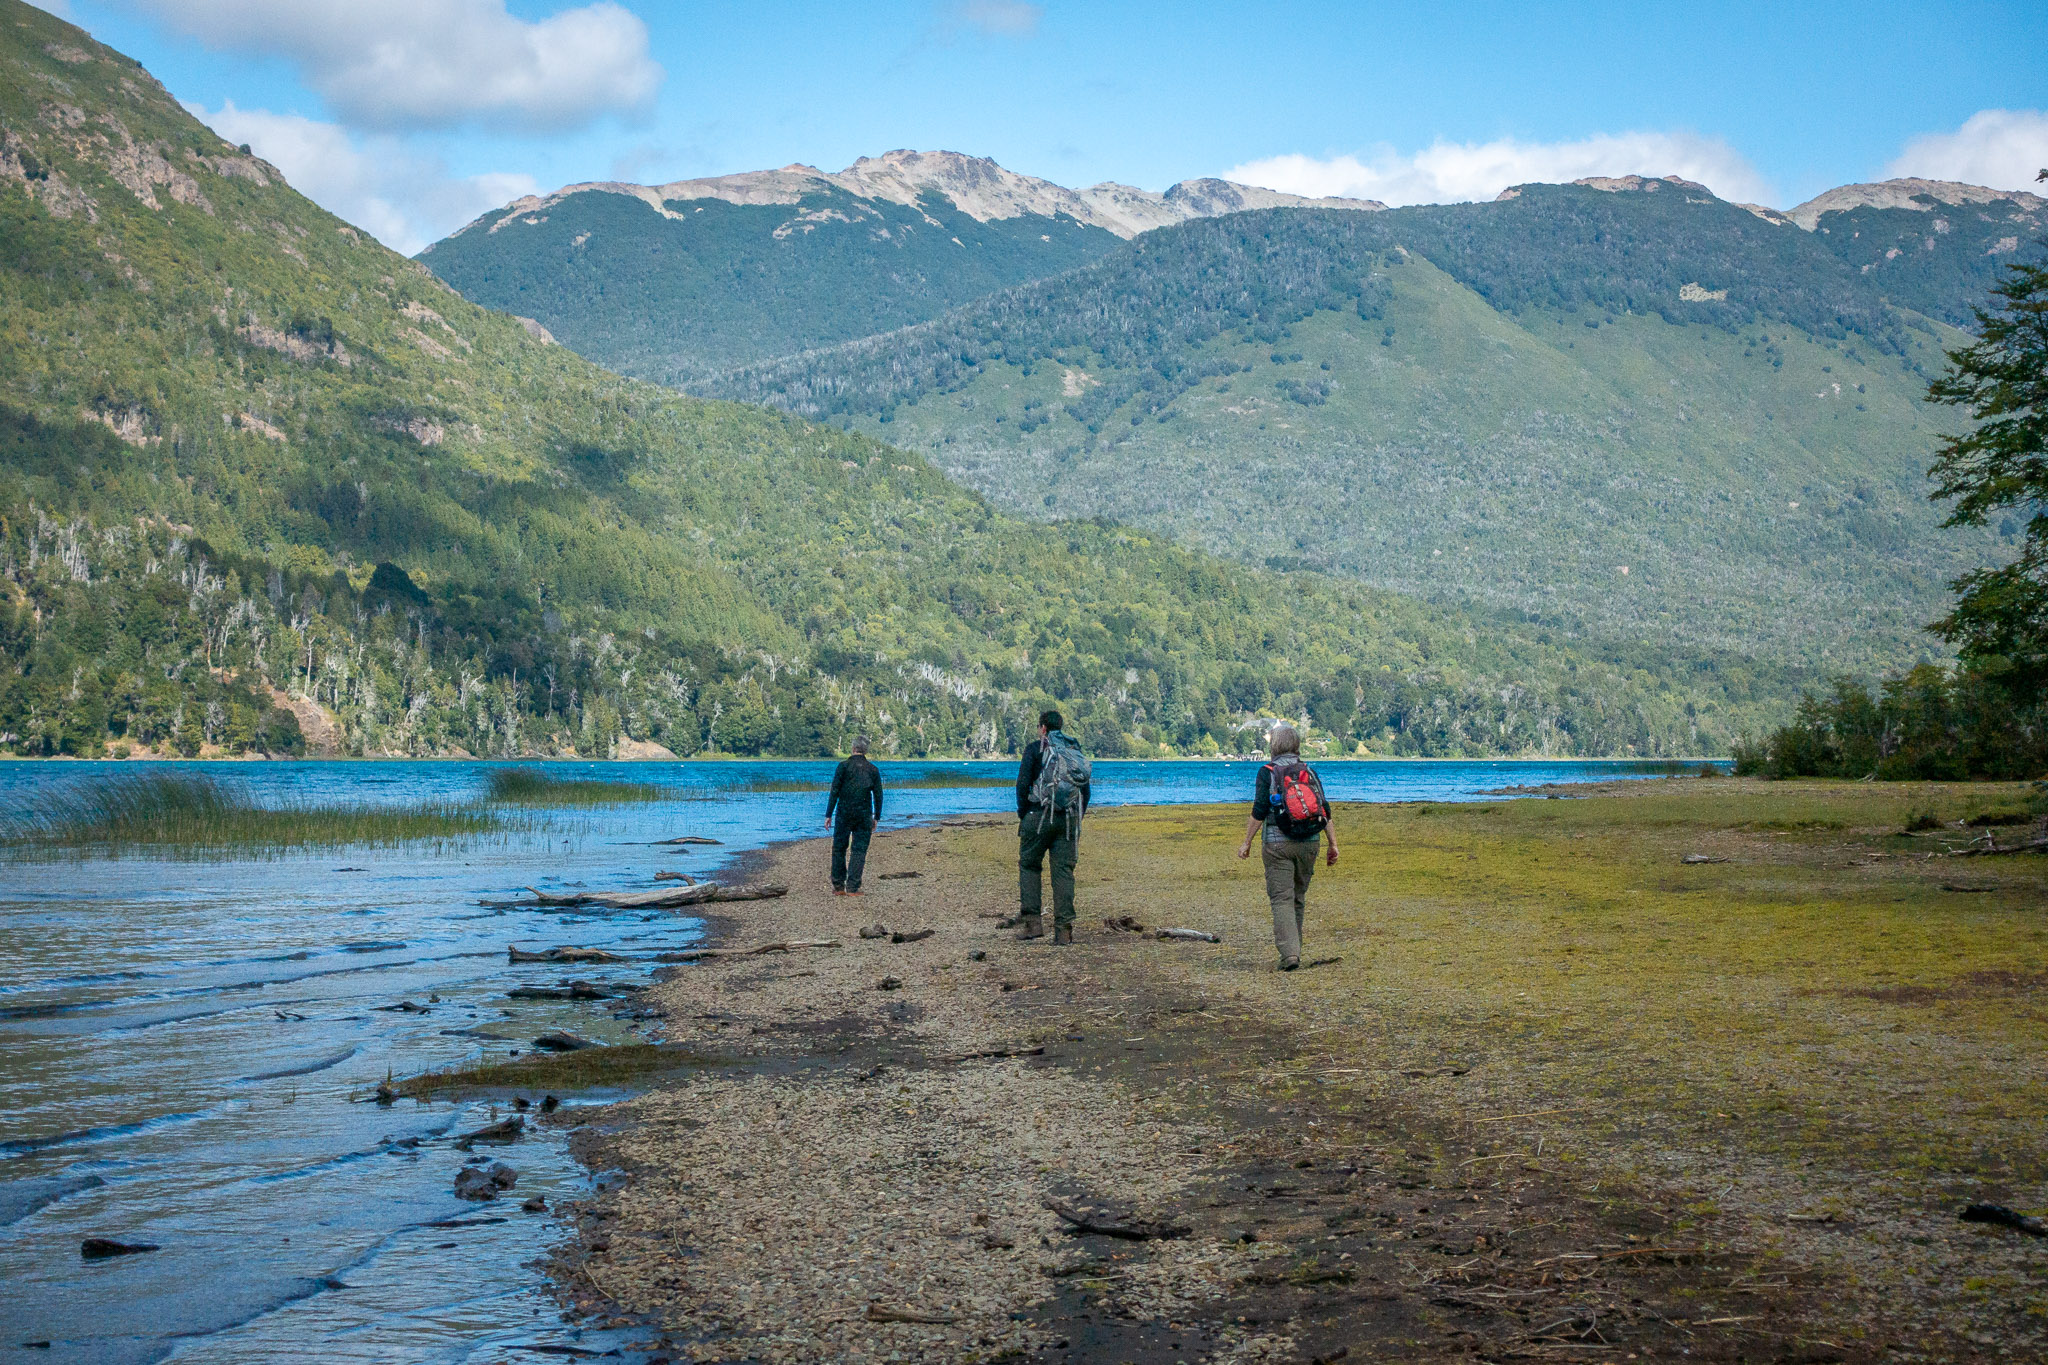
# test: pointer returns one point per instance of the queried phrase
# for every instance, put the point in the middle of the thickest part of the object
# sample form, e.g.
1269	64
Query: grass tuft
586	1069
191	813
532	787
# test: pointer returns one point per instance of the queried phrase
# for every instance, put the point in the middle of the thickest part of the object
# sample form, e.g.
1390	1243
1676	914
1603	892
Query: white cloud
401	64
1452	172
2001	148
402	199
997	18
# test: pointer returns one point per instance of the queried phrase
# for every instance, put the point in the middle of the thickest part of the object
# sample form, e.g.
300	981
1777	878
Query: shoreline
822	758
845	1165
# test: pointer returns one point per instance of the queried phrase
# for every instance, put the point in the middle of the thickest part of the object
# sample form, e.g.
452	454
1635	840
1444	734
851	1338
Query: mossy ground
1829	1030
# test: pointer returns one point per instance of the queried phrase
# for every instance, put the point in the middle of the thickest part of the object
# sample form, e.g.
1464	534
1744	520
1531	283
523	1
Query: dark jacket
856	791
1027	777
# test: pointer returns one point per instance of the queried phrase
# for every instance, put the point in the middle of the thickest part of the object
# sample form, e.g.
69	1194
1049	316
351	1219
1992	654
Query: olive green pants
1290	863
1036	837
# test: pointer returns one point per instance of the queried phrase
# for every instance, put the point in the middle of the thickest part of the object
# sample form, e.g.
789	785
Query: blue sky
411	116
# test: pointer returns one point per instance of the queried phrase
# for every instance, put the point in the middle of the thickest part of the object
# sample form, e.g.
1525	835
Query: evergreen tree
2000	621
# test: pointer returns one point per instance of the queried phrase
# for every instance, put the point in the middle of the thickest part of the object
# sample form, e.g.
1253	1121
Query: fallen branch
787	946
1991	849
1129	1229
1542	1113
914	936
675	877
1620	1255
1192	935
878	1312
998	1053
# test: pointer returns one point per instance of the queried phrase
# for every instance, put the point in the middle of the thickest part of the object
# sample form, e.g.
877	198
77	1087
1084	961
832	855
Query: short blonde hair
1283	739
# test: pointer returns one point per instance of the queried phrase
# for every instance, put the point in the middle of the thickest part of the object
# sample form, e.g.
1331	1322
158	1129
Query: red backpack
1298	806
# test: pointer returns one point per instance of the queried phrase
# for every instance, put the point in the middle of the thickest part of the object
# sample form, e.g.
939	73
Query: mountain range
268	486
675	282
1622	409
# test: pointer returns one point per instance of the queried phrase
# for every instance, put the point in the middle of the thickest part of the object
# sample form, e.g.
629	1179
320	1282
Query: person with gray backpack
1052	796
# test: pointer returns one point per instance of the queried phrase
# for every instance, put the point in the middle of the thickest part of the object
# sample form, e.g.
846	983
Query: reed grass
192	814
533	787
925	781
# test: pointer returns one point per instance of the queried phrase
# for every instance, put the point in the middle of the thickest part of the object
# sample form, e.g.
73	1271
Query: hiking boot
1288	964
1063	933
838	890
1034	927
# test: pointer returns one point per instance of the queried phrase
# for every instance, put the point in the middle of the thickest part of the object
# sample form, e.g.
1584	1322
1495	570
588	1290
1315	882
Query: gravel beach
863	1159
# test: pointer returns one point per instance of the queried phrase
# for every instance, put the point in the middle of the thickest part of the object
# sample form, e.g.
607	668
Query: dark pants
1036	837
854	833
1290	863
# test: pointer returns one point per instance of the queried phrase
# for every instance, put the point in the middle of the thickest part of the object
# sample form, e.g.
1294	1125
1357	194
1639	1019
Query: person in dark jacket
856	802
1039	832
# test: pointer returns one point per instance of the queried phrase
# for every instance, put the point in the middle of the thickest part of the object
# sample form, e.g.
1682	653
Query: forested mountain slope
673	282
1931	245
1637	412
255	465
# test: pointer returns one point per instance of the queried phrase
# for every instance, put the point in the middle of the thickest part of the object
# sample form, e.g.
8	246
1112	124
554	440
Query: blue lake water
187	1047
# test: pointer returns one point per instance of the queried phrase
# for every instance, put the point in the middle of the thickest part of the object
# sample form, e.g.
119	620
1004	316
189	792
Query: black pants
1037	836
850	836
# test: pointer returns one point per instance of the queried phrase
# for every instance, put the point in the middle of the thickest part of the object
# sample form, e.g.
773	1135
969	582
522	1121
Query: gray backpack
1063	771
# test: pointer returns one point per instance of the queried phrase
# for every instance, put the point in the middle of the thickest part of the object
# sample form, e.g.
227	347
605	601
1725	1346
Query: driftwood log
560	1040
662	898
575	990
881	1312
685	839
562	954
767	892
503	1131
706	954
1129	1229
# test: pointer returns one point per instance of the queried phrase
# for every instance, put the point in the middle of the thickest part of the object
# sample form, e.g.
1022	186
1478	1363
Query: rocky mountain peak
978	186
1910	193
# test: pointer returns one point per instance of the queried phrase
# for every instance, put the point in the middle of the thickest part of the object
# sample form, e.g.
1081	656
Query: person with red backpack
1291	816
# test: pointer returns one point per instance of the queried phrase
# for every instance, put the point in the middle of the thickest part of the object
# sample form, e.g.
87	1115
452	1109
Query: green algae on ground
1819	1012
591	1068
180	814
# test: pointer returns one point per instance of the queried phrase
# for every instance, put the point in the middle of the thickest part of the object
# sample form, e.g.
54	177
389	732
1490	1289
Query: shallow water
186	1048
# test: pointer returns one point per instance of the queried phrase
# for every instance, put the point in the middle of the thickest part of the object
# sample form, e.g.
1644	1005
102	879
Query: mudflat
1699	1069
